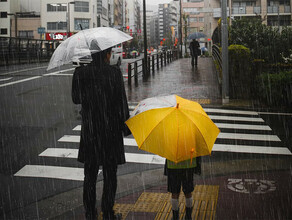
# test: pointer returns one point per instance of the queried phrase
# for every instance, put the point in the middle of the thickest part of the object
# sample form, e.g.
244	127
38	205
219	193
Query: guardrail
217	58
22	50
154	62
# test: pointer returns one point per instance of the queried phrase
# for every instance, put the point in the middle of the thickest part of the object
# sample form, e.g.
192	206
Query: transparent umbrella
86	42
196	35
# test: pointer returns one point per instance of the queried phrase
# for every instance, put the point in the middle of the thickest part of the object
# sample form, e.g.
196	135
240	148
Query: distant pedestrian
99	88
182	175
195	51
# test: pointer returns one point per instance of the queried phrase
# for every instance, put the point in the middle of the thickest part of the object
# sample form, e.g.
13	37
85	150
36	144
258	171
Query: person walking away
99	88
181	174
195	50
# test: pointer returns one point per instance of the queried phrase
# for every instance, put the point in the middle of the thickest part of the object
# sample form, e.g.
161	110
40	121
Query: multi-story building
167	16
192	19
64	17
272	12
102	11
132	16
154	30
20	19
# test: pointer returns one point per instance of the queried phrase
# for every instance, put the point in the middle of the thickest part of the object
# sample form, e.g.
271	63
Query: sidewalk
178	77
235	189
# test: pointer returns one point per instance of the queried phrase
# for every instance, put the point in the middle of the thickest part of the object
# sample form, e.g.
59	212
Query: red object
161	42
209	39
128	27
163	39
56	36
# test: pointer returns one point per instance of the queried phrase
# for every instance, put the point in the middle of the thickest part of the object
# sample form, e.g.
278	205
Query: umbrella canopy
172	127
196	35
86	42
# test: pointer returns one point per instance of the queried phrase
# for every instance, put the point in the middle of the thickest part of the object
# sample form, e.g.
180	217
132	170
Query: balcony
281	9
249	10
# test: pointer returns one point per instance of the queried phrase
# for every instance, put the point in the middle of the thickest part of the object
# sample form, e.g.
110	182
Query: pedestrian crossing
241	132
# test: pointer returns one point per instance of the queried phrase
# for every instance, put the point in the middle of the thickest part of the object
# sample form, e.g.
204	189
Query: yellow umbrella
172	127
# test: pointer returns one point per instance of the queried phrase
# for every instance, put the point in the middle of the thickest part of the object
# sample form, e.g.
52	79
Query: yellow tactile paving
202	101
204	204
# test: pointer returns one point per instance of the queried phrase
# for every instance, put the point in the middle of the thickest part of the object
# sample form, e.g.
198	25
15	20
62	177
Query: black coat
99	88
194	48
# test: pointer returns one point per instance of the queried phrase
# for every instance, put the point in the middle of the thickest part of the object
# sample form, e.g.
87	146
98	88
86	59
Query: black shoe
188	213
111	216
175	214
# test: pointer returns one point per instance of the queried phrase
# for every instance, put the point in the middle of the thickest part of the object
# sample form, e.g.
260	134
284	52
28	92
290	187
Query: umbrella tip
177	105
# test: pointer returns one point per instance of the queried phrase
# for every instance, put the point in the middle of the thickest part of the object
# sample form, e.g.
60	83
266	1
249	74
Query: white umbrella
86	42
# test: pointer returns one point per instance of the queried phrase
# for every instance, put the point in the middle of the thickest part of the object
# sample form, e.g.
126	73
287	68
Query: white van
117	55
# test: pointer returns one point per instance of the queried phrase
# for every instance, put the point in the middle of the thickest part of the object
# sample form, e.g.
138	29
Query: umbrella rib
197	126
156	126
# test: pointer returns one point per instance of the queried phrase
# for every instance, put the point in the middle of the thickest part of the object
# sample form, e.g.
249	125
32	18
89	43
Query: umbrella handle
192	153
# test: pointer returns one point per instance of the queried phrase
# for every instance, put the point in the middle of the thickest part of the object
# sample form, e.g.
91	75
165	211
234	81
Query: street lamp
68	25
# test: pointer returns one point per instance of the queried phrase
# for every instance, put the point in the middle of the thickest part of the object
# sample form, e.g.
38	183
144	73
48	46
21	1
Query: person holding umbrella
99	88
195	51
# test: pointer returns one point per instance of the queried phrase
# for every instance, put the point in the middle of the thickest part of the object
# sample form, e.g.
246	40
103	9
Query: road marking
55	172
32	78
251	149
234	118
130	157
20	81
6	79
244	126
223	125
214	110
19	71
254	137
233	136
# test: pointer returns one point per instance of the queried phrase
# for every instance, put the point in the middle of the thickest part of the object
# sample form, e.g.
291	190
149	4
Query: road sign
41	30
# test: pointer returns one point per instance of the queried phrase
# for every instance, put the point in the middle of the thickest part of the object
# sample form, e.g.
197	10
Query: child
181	174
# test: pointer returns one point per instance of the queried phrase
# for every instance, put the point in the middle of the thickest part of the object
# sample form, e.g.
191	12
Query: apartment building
167	17
20	19
132	16
276	13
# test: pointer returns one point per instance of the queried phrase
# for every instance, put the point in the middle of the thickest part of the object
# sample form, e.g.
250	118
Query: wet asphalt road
36	110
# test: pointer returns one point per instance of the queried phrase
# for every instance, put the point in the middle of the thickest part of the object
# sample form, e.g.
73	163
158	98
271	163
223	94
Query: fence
23	50
154	62
216	55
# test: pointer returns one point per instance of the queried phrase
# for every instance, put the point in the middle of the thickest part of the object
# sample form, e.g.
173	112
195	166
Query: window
26	34
81	6
57	25
3	15
83	22
3	31
57	7
201	19
3	0
193	20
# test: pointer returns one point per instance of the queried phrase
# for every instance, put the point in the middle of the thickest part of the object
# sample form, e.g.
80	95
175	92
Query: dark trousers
195	57
89	189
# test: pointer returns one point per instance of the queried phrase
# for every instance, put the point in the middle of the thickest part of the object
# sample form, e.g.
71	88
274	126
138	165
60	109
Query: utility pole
180	30
224	44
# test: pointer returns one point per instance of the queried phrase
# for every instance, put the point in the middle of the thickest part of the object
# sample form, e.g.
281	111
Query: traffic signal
128	27
163	39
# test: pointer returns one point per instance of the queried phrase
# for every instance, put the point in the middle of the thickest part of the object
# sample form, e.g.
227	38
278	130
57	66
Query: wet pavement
198	83
233	189
239	186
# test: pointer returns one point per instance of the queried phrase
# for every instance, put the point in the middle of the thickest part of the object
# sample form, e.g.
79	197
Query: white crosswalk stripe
237	127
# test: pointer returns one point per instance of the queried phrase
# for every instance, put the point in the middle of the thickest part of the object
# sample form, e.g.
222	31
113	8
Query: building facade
276	13
168	21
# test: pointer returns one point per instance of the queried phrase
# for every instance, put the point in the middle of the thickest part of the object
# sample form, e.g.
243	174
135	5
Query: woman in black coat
99	88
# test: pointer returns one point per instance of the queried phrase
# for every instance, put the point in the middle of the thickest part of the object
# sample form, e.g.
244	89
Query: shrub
240	77
275	88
